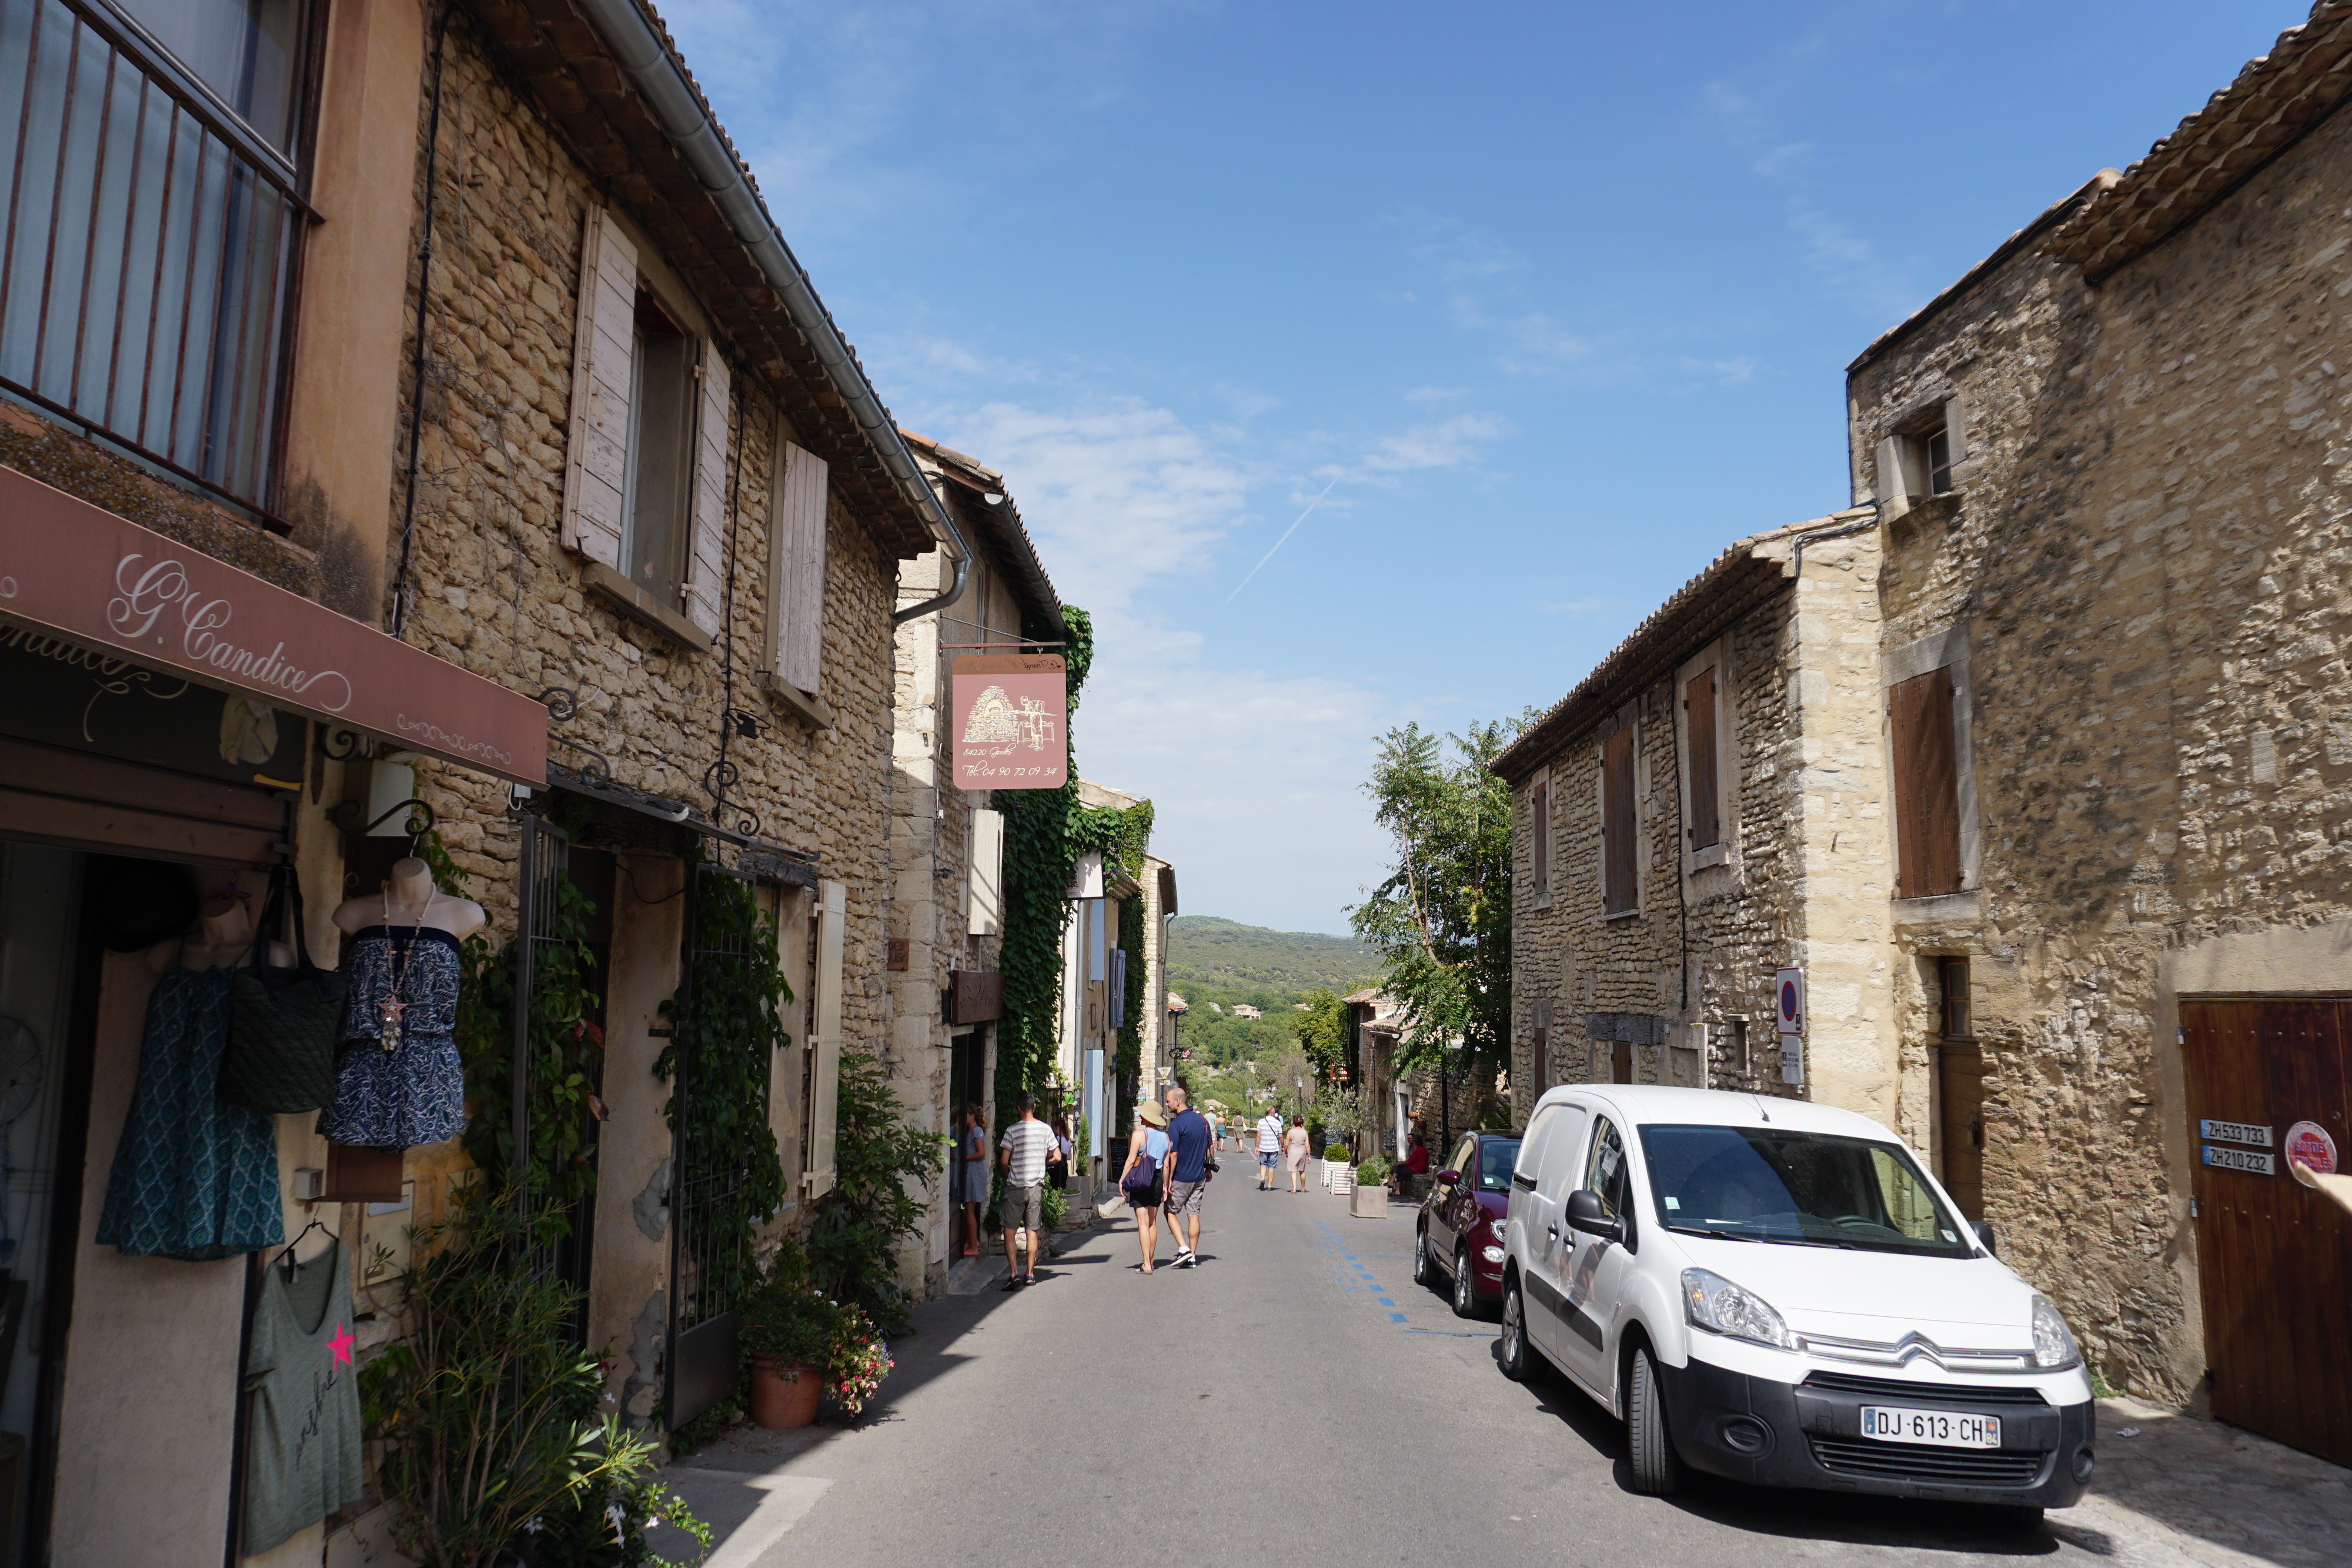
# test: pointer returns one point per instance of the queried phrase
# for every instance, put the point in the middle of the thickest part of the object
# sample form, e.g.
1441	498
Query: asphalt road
1295	1399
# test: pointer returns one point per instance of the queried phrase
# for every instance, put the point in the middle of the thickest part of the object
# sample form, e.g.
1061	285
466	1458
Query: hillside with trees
1221	964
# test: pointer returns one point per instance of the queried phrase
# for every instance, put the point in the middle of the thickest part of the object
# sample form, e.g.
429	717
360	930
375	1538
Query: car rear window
1797	1188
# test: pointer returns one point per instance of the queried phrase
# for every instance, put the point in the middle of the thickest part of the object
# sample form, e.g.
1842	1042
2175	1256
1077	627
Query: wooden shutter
1706	775
796	570
984	897
706	567
1619	865
825	1039
596	474
1540	838
1926	786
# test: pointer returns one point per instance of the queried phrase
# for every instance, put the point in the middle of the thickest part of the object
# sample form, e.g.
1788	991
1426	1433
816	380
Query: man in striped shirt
1026	1147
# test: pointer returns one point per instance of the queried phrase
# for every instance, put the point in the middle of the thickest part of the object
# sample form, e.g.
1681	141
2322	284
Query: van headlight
1715	1303
2053	1345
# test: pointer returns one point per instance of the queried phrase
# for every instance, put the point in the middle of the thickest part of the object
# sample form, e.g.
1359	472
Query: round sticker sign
2307	1142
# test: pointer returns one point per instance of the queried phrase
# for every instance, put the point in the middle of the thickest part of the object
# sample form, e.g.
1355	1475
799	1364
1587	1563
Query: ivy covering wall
1046	832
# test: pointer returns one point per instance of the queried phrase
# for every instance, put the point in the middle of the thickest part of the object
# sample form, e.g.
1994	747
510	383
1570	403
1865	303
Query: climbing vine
1131	1021
730	1033
1046	832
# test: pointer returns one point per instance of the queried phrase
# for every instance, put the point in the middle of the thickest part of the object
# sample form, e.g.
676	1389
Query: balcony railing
148	254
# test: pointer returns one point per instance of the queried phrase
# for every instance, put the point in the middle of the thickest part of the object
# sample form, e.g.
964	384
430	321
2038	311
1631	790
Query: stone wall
1686	978
2148	538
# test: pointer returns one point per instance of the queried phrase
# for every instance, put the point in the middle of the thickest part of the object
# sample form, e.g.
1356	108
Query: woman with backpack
1143	1179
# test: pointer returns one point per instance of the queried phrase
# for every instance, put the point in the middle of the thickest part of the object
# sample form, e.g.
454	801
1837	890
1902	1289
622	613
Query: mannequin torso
408	894
223	934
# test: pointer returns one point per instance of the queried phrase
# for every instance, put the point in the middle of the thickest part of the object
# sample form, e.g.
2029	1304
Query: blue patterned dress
194	1178
415	1092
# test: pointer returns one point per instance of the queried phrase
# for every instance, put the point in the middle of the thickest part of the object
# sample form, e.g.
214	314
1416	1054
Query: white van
1775	1291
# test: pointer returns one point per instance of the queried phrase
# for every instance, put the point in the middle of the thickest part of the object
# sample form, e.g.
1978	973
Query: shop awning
105	582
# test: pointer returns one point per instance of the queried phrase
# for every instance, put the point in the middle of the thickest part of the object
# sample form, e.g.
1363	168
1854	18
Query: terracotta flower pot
784	1397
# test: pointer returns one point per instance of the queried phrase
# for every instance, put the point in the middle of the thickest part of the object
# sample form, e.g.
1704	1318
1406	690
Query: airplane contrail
1283	541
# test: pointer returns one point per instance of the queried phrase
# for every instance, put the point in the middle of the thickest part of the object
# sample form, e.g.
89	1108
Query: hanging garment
194	1178
302	1449
415	1093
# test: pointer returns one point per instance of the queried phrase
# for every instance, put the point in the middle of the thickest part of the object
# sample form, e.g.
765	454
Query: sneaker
1184	1260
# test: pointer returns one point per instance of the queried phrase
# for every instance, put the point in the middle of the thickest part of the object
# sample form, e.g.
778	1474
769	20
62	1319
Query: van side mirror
1585	1214
1983	1227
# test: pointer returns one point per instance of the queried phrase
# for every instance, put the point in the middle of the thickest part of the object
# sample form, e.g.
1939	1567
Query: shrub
1373	1173
1337	1153
788	1322
877	1156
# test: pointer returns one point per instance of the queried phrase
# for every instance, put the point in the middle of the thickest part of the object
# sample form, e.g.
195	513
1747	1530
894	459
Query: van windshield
1809	1189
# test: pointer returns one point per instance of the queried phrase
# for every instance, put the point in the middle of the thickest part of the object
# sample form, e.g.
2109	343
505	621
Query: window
1539	839
1952	975
1920	459
659	452
1926	786
155	219
796	568
1939	463
645	489
1540	1054
1739	1050
1620	862
1705	767
1798	1188
1607	1176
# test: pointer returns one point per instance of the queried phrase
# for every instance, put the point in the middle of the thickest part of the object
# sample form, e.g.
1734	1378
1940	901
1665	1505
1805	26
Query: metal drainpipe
647	62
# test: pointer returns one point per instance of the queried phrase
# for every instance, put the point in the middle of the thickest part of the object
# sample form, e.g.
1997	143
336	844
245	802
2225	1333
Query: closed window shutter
825	1033
1706	786
1619	863
984	904
796	591
1926	786
706	568
1540	838
596	474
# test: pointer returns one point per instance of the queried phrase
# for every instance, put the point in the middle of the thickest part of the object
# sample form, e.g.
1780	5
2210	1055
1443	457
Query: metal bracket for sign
1016	643
415	807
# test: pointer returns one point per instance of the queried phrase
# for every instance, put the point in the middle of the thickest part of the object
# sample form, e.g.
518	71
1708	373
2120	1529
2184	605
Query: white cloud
1447	443
1582	608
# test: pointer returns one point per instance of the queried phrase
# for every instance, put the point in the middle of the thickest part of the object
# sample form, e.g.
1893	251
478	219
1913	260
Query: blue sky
1544	303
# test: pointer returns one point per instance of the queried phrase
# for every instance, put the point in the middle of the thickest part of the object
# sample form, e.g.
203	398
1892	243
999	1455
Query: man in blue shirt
1188	1133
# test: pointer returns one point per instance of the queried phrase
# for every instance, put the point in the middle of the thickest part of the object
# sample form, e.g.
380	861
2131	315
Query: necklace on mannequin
389	1008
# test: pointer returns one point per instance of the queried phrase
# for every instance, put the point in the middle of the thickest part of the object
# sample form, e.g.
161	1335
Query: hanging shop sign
106	583
1011	714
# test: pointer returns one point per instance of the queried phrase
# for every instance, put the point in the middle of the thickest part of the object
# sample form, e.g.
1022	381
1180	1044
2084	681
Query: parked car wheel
1424	1267
1515	1357
1656	1470
1465	1292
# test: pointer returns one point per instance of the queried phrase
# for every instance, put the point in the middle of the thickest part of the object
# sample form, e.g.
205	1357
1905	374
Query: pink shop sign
103	581
1011	716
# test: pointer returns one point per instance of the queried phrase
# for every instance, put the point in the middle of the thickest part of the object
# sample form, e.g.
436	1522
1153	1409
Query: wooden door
2273	1257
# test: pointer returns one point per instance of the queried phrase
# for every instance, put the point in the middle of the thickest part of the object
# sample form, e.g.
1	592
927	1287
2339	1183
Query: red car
1458	1237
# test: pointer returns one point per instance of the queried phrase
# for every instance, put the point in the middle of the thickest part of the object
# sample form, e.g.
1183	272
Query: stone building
512	424
1099	978
2039	773
948	913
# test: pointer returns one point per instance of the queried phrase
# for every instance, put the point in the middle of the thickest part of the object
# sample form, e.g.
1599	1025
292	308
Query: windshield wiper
1708	1230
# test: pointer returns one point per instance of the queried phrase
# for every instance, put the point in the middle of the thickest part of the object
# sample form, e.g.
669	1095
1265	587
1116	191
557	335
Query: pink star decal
342	1346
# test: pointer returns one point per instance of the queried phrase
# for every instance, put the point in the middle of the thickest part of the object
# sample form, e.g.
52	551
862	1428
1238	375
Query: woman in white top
1147	1141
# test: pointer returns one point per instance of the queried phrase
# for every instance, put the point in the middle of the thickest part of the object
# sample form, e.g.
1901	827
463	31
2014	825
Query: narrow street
1296	1398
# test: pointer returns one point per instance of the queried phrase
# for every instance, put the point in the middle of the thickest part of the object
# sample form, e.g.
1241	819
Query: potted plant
1371	1198
1339	1169
858	1362
789	1338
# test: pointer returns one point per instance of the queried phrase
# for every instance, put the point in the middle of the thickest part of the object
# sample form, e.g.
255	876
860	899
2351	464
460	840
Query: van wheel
1465	1289
1424	1267
1513	1353
2013	1517
1656	1470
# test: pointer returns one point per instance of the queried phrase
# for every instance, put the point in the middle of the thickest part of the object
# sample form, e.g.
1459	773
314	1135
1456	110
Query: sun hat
1151	1114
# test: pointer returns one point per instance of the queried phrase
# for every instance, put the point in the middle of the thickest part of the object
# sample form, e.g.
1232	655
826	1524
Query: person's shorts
1185	1196
1265	1159
1023	1207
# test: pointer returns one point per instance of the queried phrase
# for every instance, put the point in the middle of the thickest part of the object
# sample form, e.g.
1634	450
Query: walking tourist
1297	1146
1190	1139
971	1175
1140	1179
1028	1146
1269	1148
1062	1141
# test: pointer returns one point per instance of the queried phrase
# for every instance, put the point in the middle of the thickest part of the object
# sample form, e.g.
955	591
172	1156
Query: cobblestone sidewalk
2187	1493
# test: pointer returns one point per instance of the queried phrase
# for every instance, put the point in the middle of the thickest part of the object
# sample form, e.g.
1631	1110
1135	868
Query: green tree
1322	1030
1443	916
